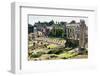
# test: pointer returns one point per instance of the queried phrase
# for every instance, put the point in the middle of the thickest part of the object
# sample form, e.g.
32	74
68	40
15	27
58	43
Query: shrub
55	51
71	43
83	51
53	56
37	54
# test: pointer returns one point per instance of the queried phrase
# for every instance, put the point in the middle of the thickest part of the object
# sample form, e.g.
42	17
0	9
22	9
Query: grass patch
52	46
67	55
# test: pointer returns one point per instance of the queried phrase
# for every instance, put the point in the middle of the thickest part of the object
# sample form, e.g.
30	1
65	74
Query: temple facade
79	32
72	31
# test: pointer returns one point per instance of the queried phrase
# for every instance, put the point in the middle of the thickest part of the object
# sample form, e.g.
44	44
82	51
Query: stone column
82	35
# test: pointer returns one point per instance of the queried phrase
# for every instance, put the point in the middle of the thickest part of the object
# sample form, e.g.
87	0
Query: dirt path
80	57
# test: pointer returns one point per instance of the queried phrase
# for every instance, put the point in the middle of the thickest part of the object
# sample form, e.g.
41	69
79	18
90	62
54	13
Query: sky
35	18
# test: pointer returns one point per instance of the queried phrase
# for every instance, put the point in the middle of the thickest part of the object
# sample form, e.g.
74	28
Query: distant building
72	31
49	27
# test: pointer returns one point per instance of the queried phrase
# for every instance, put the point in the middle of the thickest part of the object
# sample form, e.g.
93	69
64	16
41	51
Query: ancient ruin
57	40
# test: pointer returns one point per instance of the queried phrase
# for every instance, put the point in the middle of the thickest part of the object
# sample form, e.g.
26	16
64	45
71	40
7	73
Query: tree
63	23
30	28
73	22
53	32
51	22
57	32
